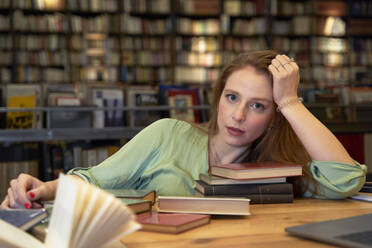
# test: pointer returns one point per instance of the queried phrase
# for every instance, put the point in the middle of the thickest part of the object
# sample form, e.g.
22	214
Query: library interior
80	78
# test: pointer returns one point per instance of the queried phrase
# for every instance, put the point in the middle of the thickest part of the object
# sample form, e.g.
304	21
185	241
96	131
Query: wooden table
264	228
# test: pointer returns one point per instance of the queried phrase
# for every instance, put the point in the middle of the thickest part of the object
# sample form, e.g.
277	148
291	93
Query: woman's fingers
285	77
5	203
18	195
283	63
12	203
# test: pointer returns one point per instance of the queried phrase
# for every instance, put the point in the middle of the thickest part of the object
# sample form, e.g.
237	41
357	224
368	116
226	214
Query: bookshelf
66	49
76	45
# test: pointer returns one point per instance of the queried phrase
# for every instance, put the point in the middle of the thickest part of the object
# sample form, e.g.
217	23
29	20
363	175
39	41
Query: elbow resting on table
338	180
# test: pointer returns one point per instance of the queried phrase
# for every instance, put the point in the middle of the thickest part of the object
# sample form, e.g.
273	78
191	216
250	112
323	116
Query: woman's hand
286	78
27	191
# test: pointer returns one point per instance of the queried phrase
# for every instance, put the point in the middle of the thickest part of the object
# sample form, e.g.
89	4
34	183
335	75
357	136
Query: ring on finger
276	66
288	62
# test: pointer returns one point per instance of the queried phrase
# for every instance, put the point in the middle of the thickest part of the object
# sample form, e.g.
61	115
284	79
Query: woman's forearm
318	140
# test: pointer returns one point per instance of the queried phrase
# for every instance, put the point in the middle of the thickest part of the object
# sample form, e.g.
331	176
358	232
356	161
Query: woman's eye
258	106
231	97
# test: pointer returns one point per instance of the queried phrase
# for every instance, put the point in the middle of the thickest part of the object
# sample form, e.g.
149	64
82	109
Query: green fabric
337	180
169	155
166	156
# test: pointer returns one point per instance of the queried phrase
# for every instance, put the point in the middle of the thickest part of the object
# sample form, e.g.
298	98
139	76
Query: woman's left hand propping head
286	78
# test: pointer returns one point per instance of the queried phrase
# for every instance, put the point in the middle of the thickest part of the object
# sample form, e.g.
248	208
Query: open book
83	216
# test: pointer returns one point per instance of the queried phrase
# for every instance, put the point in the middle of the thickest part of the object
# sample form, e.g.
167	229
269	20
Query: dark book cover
258	198
270	198
56	160
163	96
244	189
23	218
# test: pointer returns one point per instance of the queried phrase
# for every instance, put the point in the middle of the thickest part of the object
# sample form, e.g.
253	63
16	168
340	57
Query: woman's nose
240	113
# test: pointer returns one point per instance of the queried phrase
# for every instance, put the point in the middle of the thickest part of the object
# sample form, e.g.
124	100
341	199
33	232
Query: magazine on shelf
142	97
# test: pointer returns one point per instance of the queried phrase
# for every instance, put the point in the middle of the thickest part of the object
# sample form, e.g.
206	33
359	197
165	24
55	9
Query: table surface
263	228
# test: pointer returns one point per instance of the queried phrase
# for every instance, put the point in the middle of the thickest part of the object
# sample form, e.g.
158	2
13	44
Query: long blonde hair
279	142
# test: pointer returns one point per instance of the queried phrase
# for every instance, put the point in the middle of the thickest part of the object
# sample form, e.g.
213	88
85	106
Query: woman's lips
234	131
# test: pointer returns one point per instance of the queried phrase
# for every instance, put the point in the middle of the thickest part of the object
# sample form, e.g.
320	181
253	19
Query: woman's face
245	107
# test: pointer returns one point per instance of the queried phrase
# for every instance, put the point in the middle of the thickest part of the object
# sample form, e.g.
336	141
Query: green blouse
169	155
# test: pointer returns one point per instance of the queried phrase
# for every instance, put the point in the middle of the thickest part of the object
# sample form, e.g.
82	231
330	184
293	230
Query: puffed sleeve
336	180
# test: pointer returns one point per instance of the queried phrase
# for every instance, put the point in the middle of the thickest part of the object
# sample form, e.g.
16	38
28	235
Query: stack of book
140	201
260	182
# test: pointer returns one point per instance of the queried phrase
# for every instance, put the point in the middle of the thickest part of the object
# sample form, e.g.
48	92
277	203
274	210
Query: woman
256	115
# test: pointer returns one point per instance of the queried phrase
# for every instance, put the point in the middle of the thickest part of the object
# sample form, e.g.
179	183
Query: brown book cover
330	8
215	180
256	170
171	222
137	205
206	7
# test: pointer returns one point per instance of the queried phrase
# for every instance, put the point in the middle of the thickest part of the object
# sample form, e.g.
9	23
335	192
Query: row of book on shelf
181	98
300	25
204	7
33	43
27	61
127	23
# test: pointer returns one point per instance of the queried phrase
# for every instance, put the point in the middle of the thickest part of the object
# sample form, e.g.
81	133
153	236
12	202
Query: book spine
244	189
257	198
270	198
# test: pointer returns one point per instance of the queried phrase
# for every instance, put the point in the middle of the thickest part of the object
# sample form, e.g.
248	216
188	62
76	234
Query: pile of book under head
262	183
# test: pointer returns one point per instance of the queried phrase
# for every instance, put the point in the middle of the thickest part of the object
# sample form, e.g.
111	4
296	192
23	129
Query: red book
183	100
171	222
256	170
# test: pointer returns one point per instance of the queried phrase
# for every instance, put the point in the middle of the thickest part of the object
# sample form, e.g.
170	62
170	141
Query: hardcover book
83	216
215	180
256	170
258	198
244	189
183	101
171	222
144	194
137	205
23	218
204	205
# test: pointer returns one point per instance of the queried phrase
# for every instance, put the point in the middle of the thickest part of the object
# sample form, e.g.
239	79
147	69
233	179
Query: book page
82	209
11	236
63	215
86	216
